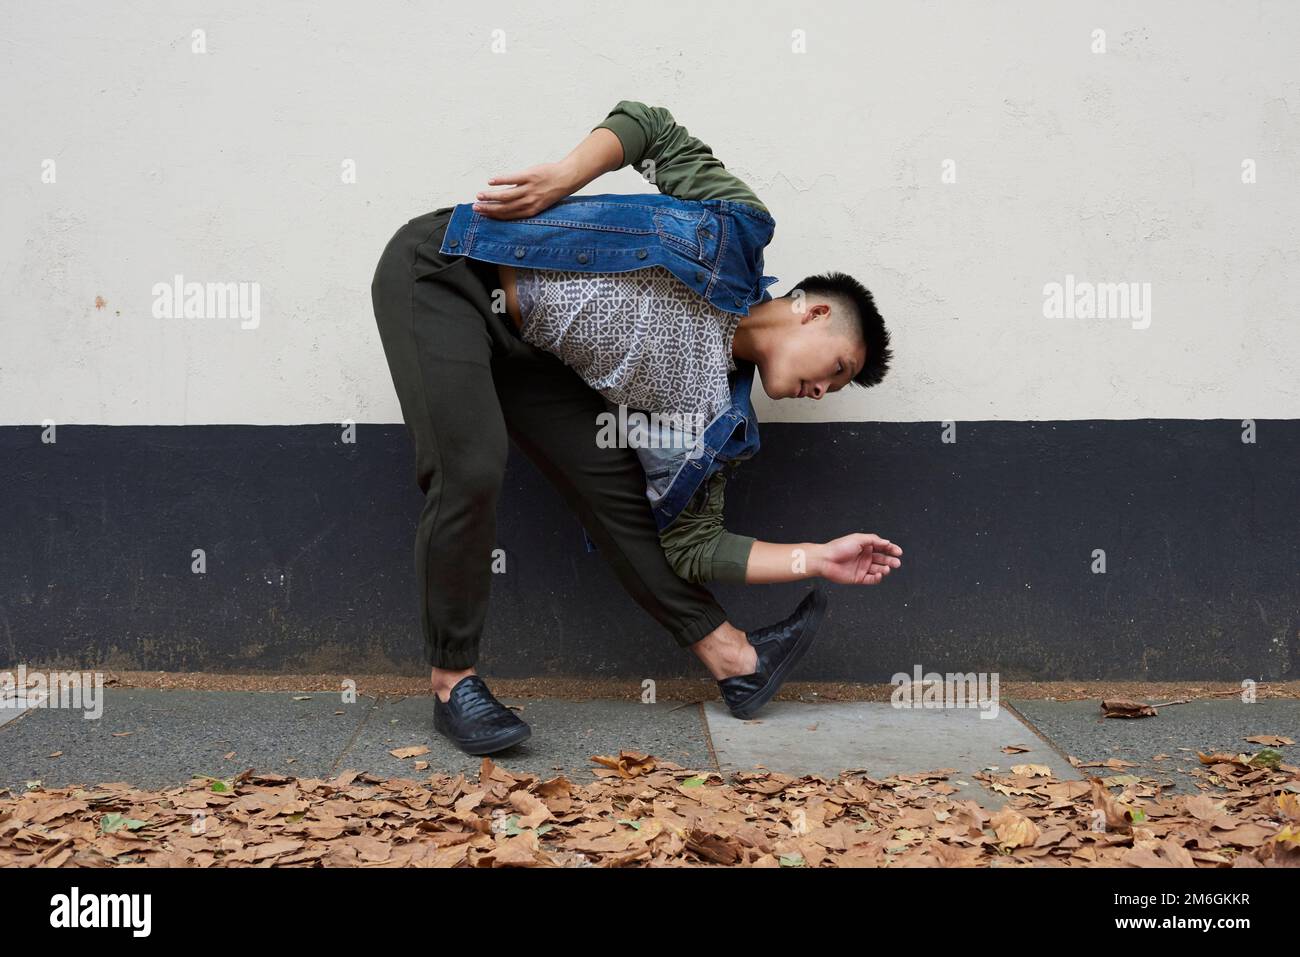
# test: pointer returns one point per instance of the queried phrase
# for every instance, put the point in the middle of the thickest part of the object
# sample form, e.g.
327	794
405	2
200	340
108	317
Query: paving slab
12	704
1077	728
565	736
176	734
825	738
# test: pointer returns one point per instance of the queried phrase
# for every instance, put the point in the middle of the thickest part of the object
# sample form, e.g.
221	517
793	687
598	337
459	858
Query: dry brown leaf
628	764
412	751
1288	805
1203	807
1119	817
1123	708
1014	829
1032	770
1221	757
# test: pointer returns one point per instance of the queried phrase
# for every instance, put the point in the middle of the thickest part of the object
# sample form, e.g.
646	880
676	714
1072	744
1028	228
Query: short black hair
844	288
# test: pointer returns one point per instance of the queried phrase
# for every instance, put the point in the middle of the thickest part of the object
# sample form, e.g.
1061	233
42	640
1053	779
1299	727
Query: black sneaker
779	648
475	721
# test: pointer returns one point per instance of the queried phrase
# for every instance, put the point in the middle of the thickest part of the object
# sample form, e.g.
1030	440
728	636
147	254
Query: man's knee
477	471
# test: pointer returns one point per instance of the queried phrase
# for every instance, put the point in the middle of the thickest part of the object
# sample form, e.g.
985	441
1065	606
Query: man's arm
645	137
701	550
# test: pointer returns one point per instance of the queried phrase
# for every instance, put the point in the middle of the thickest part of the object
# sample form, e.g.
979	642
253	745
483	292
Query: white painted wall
1122	166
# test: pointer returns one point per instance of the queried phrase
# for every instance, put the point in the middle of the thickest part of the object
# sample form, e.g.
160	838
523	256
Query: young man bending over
530	314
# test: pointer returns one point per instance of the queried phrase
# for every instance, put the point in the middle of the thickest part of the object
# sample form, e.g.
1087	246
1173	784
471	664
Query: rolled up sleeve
698	546
684	166
635	125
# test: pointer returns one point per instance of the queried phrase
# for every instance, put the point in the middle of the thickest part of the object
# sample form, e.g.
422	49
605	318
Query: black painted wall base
309	543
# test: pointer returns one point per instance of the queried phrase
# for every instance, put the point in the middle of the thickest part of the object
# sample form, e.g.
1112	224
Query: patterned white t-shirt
643	339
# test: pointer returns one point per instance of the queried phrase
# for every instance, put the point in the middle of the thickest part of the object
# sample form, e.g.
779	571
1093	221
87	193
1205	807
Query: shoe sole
764	694
506	738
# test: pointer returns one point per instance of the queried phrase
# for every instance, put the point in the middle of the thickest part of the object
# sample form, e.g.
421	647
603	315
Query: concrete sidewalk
154	739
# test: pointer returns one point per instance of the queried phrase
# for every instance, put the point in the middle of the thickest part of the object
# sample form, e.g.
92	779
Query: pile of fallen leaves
645	812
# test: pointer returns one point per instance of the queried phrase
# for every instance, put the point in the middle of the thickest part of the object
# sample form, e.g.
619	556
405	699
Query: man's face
814	357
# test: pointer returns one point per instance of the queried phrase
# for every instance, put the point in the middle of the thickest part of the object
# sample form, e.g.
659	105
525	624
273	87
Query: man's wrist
815	559
571	174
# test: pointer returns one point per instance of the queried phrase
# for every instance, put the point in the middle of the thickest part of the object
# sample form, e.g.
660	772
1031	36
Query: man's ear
818	310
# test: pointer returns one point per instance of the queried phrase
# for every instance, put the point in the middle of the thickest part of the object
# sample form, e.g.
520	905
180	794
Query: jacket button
582	257
737	302
641	254
699	277
519	252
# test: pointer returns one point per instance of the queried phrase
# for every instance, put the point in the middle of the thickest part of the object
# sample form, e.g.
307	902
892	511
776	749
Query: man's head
819	337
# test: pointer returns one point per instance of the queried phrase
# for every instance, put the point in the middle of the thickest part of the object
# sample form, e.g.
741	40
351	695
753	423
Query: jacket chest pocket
697	235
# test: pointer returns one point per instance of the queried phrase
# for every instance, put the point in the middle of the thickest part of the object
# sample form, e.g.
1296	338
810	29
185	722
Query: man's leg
439	352
551	414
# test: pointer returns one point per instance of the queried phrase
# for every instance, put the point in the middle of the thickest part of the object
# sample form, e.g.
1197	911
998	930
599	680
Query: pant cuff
451	661
698	628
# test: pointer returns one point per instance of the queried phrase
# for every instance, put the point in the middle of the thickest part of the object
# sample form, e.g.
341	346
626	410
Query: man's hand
535	189
858	559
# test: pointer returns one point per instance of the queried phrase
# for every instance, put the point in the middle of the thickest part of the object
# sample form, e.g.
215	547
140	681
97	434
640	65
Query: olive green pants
466	381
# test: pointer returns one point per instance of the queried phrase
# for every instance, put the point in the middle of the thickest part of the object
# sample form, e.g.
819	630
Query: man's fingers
871	574
884	545
503	195
527	176
504	210
878	543
493	211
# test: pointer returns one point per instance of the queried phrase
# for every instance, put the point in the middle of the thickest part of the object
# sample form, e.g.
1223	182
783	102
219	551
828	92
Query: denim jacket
715	246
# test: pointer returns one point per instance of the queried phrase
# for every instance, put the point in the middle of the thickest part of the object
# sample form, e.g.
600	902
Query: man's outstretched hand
858	559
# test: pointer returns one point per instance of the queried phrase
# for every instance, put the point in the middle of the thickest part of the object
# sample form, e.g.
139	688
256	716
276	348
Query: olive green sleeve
697	545
678	164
